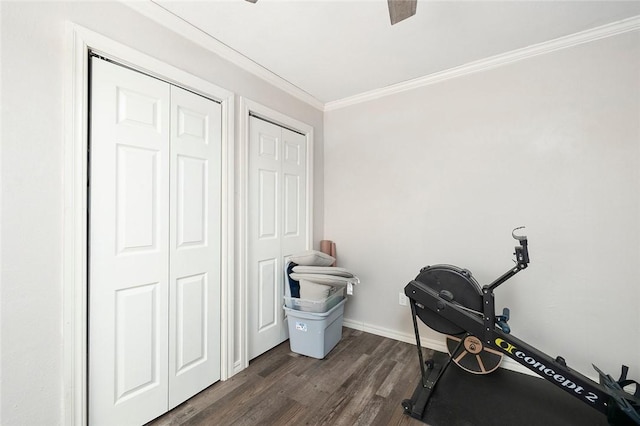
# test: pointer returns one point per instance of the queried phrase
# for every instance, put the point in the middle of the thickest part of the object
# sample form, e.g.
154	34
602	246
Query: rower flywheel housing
460	284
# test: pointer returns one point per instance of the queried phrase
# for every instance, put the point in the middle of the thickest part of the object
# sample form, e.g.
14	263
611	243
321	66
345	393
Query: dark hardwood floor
362	381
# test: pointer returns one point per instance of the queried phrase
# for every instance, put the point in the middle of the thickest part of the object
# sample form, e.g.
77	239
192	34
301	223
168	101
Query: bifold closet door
277	228
154	249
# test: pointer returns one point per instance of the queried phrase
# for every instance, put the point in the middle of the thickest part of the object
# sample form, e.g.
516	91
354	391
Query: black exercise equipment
449	300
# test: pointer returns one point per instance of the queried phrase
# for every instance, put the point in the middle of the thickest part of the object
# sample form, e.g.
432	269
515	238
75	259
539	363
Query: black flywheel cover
459	282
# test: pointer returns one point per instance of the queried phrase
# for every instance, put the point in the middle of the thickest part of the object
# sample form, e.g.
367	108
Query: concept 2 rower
449	300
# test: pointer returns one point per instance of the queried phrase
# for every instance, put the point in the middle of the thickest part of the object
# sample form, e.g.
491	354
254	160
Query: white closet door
129	246
154	284
276	227
194	342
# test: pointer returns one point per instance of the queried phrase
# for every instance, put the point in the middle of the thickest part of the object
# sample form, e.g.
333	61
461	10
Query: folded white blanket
325	279
312	257
313	291
326	270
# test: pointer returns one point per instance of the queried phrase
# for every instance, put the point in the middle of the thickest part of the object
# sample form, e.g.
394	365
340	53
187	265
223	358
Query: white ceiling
337	49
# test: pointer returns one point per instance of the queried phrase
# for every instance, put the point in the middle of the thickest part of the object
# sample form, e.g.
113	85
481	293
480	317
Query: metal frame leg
415	407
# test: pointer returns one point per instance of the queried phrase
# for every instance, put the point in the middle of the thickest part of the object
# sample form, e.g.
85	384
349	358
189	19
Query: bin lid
314	315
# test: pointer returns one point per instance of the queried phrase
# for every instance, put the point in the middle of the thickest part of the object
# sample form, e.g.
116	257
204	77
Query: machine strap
623	381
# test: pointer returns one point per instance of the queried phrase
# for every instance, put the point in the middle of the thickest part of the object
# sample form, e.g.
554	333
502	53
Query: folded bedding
325	270
313	291
333	280
311	277
292	289
312	258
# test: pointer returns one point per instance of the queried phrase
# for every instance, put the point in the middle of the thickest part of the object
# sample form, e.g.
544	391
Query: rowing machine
449	300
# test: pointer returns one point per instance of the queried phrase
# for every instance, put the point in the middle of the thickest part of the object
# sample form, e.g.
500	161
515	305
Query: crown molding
173	22
609	30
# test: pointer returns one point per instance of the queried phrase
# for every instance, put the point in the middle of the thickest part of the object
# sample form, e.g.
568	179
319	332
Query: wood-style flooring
362	381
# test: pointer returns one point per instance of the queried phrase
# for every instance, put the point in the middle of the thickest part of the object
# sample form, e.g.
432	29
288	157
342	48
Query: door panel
138	109
267	291
191	322
267	204
137	351
137	198
194	312
291	205
191	219
128	236
276	227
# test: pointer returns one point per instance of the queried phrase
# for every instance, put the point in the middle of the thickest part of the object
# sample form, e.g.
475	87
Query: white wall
441	174
33	78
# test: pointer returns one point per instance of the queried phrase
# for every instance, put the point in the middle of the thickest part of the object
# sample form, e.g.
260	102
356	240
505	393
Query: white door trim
246	108
79	41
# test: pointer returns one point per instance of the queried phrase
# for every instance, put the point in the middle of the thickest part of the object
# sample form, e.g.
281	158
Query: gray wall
441	174
34	55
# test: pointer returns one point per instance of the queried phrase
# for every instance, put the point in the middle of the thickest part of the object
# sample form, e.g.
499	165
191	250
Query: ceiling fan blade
252	1
400	10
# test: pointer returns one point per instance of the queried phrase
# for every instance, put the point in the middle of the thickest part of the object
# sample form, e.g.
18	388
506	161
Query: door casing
80	42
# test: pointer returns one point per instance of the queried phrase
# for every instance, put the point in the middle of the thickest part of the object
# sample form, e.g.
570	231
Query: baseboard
434	344
429	343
